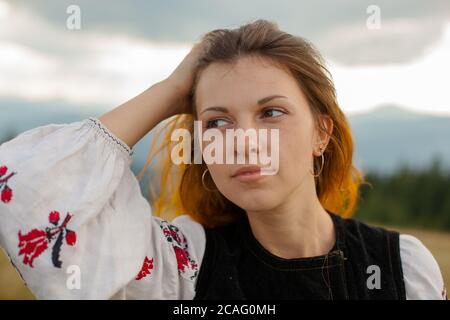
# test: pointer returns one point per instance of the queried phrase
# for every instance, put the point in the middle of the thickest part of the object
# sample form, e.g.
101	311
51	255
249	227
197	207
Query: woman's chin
261	197
257	204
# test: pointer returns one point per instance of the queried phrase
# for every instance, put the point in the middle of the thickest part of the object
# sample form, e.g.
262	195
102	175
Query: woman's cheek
294	150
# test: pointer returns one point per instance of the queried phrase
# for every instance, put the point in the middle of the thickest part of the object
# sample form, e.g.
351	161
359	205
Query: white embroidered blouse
75	224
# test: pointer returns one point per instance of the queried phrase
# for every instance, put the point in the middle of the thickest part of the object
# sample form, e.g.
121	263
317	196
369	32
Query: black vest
236	266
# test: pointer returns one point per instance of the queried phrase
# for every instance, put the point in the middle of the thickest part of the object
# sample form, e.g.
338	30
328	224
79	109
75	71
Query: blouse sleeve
75	225
422	276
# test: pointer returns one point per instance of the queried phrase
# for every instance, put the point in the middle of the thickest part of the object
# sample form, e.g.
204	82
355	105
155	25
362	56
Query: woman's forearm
132	120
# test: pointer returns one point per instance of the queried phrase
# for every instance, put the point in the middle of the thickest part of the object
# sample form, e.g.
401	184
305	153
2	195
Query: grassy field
12	287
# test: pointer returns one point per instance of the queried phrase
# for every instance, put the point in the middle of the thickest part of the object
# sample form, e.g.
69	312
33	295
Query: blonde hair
180	188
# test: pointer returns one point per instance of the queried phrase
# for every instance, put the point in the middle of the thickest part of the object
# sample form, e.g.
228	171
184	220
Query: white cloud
5	9
83	69
421	85
397	41
39	61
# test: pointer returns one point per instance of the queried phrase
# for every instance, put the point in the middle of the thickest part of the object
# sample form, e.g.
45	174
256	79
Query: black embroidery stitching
98	124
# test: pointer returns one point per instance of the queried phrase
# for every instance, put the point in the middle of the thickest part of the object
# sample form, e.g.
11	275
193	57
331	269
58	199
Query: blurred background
63	61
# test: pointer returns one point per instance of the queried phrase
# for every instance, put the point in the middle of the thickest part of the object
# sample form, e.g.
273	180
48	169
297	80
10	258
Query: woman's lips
248	174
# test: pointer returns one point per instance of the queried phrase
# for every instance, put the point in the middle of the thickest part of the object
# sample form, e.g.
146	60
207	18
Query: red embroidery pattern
145	269
36	241
6	194
187	267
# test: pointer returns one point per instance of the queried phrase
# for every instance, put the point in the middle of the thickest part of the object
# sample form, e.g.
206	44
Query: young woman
75	224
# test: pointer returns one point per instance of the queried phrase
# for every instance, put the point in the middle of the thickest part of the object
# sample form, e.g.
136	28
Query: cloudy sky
123	47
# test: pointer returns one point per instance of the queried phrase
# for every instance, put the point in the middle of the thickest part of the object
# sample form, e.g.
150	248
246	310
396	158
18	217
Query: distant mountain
17	116
391	136
385	138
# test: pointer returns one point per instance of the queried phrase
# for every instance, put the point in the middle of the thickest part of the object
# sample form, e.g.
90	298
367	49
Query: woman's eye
272	113
214	123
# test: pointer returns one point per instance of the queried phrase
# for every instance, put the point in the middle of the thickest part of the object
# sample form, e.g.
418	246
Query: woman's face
238	88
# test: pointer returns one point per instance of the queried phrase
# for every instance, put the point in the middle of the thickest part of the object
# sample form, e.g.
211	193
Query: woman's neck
299	227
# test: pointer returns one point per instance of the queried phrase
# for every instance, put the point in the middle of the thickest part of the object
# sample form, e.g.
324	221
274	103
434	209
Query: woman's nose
246	142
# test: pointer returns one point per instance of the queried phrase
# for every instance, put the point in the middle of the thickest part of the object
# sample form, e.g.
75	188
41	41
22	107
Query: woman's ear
324	131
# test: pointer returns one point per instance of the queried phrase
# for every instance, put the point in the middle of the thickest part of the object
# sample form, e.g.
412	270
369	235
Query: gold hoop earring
321	167
203	181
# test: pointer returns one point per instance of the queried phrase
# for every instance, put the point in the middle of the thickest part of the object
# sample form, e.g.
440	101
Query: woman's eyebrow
217	108
260	102
267	99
